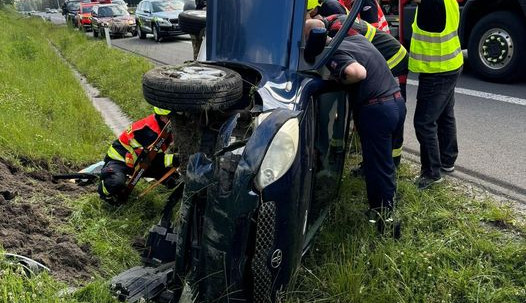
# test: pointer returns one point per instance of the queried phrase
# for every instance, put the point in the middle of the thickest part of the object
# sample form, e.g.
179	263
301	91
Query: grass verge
43	112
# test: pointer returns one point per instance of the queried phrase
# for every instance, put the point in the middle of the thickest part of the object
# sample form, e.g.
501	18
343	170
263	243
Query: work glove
171	160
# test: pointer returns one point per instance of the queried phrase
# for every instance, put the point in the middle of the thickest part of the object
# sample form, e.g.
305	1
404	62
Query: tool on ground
164	177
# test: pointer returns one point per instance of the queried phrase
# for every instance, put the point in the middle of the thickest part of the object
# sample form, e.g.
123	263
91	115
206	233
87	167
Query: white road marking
479	94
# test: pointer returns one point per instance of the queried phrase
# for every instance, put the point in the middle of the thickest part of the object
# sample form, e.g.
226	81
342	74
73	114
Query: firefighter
124	156
393	52
437	56
380	112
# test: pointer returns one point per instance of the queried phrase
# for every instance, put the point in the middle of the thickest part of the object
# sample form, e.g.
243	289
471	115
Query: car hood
114	19
168	15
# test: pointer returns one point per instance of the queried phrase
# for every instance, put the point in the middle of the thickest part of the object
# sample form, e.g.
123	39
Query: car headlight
162	21
131	22
280	154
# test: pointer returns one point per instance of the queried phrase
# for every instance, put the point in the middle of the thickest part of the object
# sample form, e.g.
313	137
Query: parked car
114	17
159	17
83	18
261	132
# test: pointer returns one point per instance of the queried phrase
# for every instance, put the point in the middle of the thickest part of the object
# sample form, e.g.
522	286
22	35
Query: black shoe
386	223
448	169
425	182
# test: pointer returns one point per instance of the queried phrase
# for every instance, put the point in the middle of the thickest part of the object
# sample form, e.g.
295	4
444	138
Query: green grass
115	73
44	114
454	248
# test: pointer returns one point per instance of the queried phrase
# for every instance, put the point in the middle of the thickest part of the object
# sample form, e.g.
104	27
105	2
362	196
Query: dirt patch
32	209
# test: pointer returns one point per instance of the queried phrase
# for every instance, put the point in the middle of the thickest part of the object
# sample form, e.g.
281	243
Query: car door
139	14
147	6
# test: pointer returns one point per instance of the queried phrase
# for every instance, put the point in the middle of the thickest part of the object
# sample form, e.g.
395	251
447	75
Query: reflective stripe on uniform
168	160
397	152
371	31
435	39
114	154
436	58
104	190
397	58
131	156
134	143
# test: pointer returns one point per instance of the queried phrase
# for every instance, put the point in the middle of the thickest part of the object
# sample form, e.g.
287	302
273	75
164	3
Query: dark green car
159	17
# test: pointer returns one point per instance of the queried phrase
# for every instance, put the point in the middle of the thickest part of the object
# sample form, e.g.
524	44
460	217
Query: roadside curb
112	114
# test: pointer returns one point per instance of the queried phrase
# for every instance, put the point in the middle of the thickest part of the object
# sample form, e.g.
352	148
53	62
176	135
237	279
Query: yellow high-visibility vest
437	52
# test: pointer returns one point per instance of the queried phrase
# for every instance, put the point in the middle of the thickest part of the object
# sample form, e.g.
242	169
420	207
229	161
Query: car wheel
156	37
95	33
192	88
192	21
140	33
495	47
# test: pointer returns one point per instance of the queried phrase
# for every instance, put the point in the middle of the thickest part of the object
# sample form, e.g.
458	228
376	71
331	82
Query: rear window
86	9
167	6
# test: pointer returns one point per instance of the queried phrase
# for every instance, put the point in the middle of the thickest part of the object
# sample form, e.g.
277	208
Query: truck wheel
192	88
192	21
496	47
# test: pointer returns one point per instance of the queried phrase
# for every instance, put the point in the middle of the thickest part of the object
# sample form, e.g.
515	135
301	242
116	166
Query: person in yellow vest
435	54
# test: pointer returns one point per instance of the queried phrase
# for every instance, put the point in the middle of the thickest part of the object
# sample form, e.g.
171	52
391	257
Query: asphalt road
491	120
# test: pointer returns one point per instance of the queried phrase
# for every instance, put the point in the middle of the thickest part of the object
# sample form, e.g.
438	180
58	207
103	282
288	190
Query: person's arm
353	73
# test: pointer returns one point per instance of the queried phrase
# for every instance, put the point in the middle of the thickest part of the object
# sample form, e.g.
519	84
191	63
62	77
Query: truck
492	31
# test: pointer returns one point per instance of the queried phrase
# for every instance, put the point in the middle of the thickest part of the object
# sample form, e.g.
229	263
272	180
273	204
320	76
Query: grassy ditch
455	247
115	73
43	113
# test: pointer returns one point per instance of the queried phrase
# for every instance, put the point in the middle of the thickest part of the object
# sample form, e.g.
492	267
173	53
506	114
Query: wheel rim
155	34
195	73
139	31
496	48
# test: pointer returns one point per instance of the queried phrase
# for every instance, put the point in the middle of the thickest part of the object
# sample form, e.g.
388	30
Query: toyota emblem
277	257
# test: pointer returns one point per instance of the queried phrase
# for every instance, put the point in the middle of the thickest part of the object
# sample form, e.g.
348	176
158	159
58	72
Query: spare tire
192	21
192	88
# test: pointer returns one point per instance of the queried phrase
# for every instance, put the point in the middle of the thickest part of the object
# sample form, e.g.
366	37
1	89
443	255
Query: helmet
161	112
311	4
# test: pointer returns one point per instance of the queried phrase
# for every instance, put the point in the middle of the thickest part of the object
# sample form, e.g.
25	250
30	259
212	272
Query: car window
73	6
112	11
139	7
167	6
86	9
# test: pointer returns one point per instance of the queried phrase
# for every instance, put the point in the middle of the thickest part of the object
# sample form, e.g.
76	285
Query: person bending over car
380	112
139	151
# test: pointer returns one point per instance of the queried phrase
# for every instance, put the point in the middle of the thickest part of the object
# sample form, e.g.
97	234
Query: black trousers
377	124
434	122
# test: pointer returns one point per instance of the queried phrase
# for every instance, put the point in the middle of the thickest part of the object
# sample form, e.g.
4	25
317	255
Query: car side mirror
315	43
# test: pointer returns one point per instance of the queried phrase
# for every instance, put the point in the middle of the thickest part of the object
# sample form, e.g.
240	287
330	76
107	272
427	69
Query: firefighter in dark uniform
380	111
123	154
393	52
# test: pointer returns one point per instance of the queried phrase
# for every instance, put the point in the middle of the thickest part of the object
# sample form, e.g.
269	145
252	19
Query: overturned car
262	132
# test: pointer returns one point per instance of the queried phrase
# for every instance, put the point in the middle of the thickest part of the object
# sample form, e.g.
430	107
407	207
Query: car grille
173	21
265	230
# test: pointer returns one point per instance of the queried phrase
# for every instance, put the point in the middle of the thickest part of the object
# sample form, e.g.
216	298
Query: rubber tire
516	27
193	95
95	32
140	33
155	33
192	21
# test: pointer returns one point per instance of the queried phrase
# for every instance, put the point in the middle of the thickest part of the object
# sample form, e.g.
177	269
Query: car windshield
167	6
86	9
73	6
112	11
